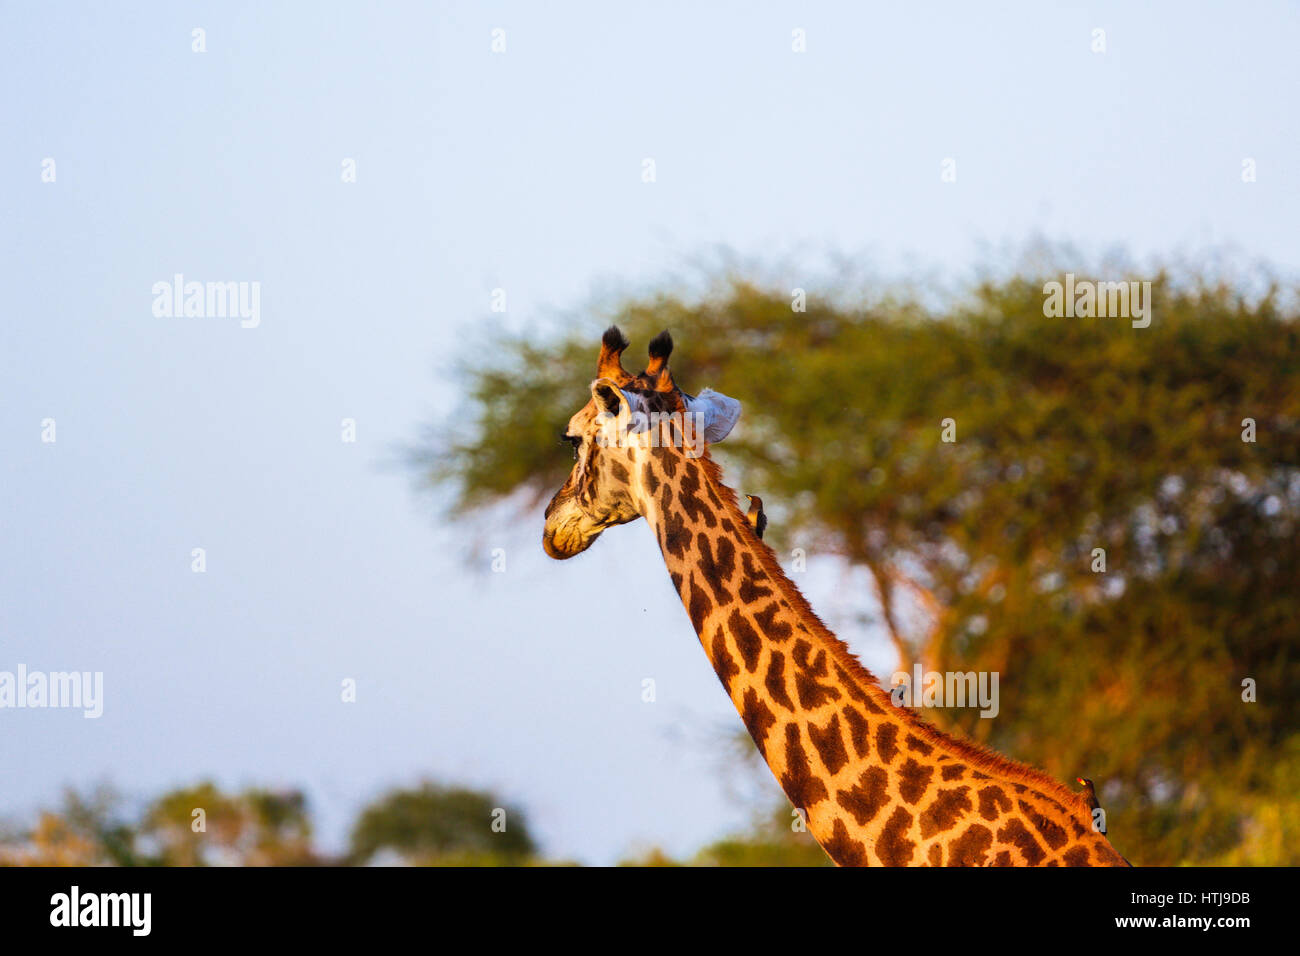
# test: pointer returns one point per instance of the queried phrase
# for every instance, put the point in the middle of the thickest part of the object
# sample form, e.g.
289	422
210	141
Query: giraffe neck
874	782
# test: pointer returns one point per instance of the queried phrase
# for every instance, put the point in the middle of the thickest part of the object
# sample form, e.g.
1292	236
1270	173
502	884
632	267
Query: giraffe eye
574	440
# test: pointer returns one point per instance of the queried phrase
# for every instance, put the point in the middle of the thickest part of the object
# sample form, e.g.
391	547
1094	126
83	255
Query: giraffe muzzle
568	530
567	542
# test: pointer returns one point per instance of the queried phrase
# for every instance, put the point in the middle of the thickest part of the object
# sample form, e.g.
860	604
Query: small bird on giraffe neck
1089	792
757	519
1090	797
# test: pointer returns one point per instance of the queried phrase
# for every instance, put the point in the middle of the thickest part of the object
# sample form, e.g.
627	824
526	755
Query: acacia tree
1112	529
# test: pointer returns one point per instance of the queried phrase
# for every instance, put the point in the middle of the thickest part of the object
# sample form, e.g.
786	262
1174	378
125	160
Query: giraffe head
627	418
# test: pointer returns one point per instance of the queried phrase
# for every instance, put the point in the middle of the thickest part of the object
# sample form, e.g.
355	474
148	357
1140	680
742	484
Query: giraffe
875	783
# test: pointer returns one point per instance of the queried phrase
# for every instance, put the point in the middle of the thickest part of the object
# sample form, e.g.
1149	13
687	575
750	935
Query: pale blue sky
478	170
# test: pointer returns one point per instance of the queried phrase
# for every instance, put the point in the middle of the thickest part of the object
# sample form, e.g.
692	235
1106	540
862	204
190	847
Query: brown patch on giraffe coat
775	680
811	693
887	741
699	606
750	592
1076	856
676	536
936	854
1015	833
1052	832
677	580
726	558
777	631
716	571
666	499
971	848
952	771
920	746
722	662
866	797
949	804
993	802
892	846
748	642
801	651
814	665
619	473
689	498
667	461
1002	859
830	744
798	781
758	719
649	479
843	849
913	780
859	730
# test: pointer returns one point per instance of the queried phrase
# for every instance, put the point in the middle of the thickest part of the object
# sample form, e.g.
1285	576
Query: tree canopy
433	824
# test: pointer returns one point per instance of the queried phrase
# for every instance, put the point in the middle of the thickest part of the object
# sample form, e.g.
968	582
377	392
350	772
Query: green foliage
772	841
201	825
430	825
252	828
1071	435
97	817
436	825
90	830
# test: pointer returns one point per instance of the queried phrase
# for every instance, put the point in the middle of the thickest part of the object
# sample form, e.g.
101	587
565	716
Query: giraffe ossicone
875	783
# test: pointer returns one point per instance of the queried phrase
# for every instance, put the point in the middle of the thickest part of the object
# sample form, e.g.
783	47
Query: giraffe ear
618	409
719	413
609	398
